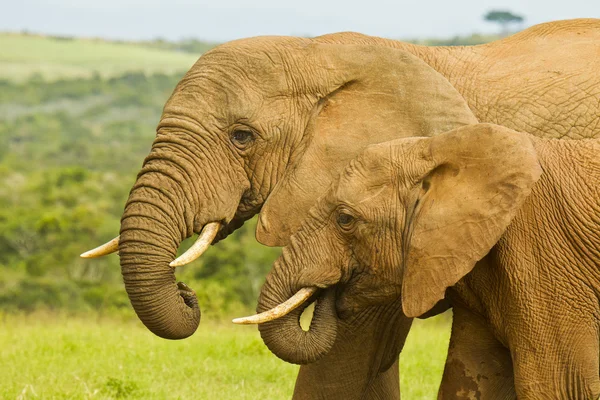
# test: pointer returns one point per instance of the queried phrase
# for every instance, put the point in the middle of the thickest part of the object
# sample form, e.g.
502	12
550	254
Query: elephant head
406	220
264	118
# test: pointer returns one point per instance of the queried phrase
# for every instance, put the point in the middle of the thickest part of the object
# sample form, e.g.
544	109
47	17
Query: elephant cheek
345	307
364	292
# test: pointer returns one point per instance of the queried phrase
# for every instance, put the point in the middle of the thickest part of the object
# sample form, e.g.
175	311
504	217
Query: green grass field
22	56
55	357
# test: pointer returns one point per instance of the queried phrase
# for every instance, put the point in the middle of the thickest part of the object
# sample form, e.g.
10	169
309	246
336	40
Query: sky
222	20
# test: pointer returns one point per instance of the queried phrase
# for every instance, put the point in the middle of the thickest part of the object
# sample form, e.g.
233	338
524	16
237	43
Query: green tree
503	18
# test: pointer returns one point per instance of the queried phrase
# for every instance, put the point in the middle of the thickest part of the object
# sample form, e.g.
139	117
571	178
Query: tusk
206	237
106	248
279	311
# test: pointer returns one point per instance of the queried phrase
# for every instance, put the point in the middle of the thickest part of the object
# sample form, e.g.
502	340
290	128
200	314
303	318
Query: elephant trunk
152	227
284	336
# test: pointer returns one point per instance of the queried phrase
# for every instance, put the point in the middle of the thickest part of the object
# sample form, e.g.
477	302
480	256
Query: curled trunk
150	236
284	336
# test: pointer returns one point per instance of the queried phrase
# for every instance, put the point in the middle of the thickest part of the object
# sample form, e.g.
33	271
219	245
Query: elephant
258	122
503	224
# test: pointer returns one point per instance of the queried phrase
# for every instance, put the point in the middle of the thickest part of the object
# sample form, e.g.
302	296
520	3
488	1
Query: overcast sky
221	20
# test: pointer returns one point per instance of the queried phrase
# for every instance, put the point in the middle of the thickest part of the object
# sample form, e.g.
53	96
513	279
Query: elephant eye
345	220
241	138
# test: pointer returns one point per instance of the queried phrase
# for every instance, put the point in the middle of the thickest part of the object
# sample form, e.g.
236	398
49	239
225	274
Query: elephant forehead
235	82
267	62
365	189
396	165
361	178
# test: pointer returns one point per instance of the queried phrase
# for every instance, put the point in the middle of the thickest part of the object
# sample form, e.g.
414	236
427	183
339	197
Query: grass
54	357
24	56
78	358
423	357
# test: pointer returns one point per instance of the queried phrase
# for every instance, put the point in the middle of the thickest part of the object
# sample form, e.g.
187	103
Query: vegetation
470	40
54	357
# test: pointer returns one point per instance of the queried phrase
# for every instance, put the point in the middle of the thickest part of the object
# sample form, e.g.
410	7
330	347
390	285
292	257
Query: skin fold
505	225
264	125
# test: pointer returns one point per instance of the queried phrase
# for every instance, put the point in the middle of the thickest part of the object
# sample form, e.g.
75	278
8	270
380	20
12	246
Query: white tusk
106	248
278	311
207	235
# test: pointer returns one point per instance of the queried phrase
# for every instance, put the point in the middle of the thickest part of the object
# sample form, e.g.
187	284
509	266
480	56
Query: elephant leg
559	361
478	365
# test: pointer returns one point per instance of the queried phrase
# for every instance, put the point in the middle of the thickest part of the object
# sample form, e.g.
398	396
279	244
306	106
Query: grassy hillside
24	56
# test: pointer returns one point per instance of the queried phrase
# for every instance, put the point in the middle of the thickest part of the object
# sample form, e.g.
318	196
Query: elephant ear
474	180
368	95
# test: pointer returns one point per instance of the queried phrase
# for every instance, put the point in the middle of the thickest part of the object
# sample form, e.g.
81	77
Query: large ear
375	94
473	181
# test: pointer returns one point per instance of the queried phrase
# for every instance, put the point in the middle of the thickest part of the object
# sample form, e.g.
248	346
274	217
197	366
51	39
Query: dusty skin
265	124
503	224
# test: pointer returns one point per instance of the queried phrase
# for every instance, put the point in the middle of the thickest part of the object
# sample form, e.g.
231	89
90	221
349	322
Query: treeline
470	40
193	46
69	153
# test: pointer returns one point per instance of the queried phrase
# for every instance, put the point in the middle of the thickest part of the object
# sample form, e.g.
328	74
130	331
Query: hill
24	56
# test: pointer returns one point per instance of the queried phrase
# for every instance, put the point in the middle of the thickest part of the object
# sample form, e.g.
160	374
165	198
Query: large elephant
265	124
505	225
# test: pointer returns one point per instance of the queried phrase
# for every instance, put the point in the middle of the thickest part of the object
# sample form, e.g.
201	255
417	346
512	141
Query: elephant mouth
229	228
243	214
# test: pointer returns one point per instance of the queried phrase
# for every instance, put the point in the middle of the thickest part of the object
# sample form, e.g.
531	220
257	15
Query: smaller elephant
504	225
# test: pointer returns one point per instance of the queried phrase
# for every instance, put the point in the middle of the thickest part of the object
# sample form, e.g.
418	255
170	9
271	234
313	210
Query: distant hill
23	56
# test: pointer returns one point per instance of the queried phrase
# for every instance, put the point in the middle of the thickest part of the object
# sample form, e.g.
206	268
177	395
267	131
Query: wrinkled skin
265	124
505	225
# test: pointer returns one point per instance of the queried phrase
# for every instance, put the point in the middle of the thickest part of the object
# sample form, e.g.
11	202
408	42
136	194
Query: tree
503	18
